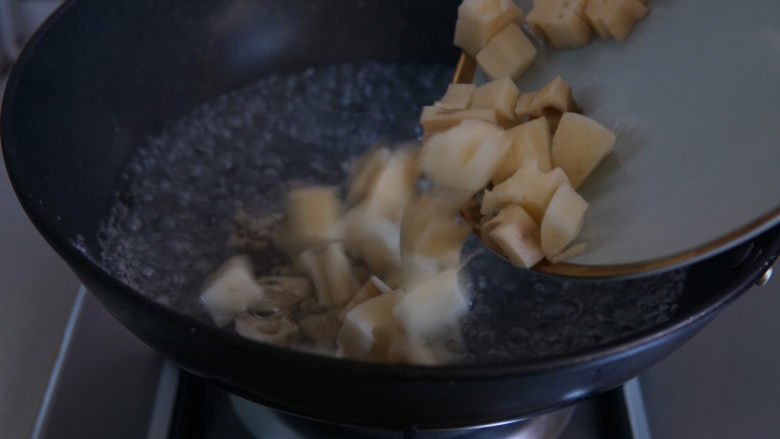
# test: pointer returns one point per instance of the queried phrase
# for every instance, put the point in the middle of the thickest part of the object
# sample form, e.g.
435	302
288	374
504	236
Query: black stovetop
722	384
205	412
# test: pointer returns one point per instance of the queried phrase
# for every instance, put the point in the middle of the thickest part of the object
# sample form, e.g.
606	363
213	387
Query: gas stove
106	383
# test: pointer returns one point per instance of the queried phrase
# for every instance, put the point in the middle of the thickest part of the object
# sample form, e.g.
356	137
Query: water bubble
135	223
147	271
271	174
167	223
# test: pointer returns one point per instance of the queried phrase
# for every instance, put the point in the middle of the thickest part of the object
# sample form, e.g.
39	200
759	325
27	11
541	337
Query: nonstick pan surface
101	81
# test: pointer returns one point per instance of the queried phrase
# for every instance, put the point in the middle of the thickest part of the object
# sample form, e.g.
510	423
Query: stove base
263	422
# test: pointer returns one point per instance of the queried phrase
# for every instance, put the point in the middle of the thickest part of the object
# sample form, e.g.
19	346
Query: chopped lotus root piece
394	183
435	120
457	97
499	95
331	273
525	103
614	18
431	229
372	288
579	145
561	22
312	218
364	171
528	187
276	329
369	328
374	234
231	290
551	101
515	234
464	158
508	53
434	306
312	211
479	20
405	349
530	140
562	221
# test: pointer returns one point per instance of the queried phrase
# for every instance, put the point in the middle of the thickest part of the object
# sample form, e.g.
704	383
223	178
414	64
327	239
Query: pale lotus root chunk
508	53
614	18
562	221
561	22
528	186
515	234
435	120
479	20
550	102
530	140
579	145
499	95
457	97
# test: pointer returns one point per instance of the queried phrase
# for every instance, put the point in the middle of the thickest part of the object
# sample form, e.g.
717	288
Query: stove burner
264	422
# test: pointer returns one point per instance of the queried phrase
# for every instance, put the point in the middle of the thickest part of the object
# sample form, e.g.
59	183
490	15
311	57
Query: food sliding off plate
694	99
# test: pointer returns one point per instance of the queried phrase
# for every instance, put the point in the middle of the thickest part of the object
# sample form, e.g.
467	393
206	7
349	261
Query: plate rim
464	74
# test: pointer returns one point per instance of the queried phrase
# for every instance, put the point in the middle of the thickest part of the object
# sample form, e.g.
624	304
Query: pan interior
175	205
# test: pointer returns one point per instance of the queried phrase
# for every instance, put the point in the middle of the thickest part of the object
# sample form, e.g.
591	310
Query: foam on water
176	202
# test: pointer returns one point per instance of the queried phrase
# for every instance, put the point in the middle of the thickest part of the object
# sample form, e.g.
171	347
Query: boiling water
175	206
177	198
521	315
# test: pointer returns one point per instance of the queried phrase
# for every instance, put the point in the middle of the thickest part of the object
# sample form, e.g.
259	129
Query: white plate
694	97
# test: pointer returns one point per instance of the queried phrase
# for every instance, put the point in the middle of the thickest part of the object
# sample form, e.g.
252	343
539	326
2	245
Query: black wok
99	77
